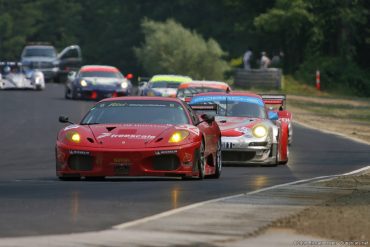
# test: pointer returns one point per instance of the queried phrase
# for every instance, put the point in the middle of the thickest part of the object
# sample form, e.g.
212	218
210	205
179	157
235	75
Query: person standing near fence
247	58
265	61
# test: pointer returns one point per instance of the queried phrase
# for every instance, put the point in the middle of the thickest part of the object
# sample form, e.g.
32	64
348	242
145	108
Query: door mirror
73	51
71	75
207	118
63	119
273	115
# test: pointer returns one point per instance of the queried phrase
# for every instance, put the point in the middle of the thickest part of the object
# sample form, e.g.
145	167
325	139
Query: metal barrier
258	78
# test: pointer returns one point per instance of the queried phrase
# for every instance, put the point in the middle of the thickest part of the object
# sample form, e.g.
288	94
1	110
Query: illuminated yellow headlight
259	131
74	137
83	83
178	136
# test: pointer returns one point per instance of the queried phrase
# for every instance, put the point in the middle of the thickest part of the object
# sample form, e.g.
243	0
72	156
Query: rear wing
274	99
205	108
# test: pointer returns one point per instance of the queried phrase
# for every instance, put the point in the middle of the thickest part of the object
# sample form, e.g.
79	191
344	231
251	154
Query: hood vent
110	128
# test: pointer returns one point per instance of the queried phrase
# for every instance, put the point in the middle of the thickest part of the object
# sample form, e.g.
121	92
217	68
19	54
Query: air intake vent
167	162
80	162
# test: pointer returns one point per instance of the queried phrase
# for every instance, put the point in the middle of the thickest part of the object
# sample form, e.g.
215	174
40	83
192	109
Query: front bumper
97	94
248	150
169	161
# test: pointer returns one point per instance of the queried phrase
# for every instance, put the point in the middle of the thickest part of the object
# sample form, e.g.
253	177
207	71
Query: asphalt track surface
34	202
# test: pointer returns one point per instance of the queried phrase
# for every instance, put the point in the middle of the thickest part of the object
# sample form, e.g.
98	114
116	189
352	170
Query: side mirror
207	118
63	119
273	115
71	75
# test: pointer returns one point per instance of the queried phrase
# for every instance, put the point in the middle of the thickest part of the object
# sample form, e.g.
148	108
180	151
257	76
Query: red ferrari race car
139	136
277	103
250	133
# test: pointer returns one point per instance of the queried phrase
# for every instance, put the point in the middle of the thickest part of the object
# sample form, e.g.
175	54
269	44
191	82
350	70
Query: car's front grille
41	65
237	156
167	162
80	162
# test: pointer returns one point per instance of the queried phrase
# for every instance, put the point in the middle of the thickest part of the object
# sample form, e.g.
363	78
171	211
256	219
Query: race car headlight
74	137
259	131
124	84
178	136
83	83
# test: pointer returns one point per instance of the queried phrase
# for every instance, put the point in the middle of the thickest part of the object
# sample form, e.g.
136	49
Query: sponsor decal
79	152
244	130
126	136
189	128
121	160
73	126
165	152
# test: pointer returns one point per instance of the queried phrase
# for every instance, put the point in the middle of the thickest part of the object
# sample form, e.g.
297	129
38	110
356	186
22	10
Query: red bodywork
136	149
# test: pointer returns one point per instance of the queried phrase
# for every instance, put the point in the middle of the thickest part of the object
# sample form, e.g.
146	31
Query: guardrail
258	78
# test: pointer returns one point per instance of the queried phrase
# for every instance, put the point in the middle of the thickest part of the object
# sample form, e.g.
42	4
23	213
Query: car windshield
189	92
137	111
165	84
234	106
106	74
39	52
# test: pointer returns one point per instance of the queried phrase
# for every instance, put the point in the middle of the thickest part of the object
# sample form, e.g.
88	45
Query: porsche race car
139	136
189	89
163	85
96	82
250	134
14	76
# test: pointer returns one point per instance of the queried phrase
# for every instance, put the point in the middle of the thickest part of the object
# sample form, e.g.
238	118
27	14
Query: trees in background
170	48
311	33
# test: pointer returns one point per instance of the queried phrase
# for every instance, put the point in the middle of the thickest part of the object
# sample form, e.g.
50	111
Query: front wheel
218	162
201	162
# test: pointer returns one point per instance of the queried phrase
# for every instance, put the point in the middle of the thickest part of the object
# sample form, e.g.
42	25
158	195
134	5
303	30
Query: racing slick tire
218	161
201	162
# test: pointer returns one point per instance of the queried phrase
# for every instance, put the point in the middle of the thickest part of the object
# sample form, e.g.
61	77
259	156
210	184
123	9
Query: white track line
330	132
178	210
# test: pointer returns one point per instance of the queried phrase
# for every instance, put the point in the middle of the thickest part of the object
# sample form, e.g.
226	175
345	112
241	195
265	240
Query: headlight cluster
178	136
83	83
74	137
259	131
124	85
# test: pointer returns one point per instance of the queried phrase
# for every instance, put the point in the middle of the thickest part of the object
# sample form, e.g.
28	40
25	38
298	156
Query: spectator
247	58
265	61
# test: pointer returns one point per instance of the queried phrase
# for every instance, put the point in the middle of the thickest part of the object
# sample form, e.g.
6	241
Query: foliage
107	31
336	74
179	52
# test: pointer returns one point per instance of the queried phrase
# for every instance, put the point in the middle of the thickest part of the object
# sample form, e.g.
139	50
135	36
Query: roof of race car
212	84
233	93
170	78
104	68
142	98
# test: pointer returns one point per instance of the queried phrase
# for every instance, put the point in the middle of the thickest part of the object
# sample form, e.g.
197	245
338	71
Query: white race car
13	76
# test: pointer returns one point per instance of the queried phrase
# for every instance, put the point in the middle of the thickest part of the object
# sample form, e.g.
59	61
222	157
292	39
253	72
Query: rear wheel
218	162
